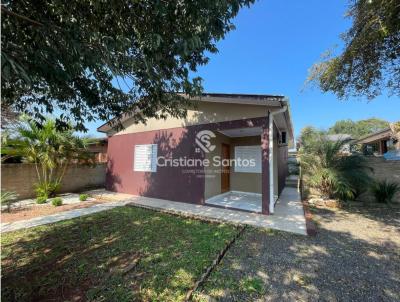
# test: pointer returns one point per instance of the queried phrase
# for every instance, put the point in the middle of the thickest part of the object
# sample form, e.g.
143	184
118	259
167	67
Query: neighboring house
378	143
346	148
98	147
179	159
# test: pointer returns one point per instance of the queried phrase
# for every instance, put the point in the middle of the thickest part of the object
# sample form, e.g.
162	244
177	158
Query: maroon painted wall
172	183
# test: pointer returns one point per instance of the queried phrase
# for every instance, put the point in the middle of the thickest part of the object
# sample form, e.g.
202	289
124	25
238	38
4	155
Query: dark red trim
265	167
310	224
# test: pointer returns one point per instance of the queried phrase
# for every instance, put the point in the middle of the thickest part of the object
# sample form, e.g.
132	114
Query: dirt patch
25	213
354	257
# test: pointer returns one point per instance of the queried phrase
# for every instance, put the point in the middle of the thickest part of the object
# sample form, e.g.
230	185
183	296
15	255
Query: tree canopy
96	59
358	129
370	61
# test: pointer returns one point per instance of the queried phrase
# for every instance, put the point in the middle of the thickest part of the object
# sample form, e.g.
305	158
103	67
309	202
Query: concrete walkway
289	215
24	224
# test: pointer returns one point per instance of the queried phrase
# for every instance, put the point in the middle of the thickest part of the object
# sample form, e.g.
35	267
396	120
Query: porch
288	215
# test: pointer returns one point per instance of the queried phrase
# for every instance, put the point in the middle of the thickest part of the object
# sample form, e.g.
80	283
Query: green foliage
252	285
83	197
332	174
371	57
57	201
50	148
94	60
41	199
358	129
309	136
172	253
47	189
8	198
384	191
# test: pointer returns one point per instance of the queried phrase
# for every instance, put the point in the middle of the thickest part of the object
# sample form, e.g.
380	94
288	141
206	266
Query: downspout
271	157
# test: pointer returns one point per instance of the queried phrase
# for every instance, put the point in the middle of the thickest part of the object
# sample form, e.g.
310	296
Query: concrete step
292	181
291	185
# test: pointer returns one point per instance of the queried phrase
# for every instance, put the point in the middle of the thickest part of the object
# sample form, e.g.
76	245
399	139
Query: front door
225	171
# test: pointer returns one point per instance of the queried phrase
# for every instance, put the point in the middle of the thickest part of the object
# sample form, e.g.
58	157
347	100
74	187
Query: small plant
48	189
8	198
83	197
384	191
41	199
252	285
57	201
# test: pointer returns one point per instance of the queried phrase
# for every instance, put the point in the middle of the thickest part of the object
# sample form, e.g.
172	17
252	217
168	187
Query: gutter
271	156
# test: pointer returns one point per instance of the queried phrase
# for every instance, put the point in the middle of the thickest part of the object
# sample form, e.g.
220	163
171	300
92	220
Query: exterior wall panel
173	183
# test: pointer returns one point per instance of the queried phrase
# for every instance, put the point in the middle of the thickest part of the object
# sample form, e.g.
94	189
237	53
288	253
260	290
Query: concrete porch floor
237	200
289	213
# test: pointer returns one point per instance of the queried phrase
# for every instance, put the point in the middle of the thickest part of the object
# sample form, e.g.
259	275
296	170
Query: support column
265	166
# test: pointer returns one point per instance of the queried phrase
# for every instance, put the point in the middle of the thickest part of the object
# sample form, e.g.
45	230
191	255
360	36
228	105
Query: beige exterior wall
205	113
213	174
239	181
245	182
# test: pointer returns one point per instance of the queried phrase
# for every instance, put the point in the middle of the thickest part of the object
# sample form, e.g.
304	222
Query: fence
20	178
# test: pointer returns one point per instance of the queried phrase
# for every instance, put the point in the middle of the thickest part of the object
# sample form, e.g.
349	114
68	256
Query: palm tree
331	173
50	149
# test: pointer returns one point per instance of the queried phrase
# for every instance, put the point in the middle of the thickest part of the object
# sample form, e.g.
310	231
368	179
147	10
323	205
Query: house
98	148
346	148
378	143
231	151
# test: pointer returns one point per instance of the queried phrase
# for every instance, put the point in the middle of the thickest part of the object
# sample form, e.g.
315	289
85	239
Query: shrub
83	197
41	199
57	201
8	198
331	173
47	189
384	191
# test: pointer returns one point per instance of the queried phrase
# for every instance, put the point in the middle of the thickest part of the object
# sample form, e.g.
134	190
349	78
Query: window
145	158
248	159
283	137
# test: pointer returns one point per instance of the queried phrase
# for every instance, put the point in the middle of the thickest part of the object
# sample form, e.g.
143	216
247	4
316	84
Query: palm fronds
331	173
8	198
50	149
384	191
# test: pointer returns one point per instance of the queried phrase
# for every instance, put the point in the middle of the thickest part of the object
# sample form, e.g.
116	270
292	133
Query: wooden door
225	171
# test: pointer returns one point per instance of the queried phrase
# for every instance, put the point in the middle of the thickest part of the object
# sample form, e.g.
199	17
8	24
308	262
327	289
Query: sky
270	52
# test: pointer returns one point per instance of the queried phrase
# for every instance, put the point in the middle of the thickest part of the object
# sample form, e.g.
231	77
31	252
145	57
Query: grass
122	254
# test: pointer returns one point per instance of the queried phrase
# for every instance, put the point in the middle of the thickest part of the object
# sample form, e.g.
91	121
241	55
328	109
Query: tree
370	60
94	59
51	151
395	127
358	129
309	135
333	175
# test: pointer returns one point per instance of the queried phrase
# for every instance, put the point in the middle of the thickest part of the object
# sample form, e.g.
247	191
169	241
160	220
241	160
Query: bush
83	197
56	201
334	175
384	191
8	198
41	199
47	189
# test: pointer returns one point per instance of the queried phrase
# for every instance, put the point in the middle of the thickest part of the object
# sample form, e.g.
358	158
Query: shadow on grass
336	265
85	258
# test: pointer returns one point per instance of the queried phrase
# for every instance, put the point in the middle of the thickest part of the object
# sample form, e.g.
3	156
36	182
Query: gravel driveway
354	257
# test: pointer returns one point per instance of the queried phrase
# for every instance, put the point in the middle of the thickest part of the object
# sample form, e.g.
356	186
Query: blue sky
270	52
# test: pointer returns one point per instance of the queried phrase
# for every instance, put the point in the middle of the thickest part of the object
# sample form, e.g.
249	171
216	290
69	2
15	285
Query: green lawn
93	257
